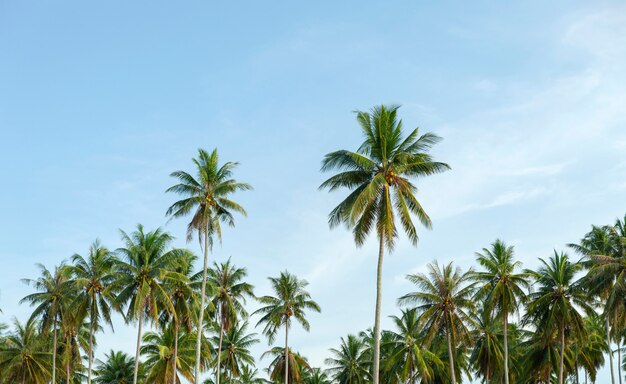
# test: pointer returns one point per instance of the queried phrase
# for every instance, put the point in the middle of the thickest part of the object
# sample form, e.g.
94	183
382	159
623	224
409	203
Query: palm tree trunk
287	351
54	351
450	357
138	347
69	357
202	304
219	353
506	346
90	350
577	377
24	376
379	288
175	352
619	360
561	357
608	343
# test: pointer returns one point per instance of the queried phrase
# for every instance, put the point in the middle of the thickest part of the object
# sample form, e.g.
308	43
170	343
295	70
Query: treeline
496	322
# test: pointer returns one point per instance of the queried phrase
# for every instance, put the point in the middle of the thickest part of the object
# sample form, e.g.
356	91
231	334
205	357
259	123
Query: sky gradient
100	101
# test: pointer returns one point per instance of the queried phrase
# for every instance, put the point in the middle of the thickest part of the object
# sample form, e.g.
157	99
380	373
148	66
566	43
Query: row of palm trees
152	282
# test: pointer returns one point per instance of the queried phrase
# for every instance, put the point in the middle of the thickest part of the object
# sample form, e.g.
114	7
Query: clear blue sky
100	101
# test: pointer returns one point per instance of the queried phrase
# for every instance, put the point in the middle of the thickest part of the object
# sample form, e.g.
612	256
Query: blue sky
100	101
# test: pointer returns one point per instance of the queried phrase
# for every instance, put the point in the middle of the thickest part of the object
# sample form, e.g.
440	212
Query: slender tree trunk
219	353
230	377
174	362
619	360
287	351
138	347
90	350
450	357
69	358
202	304
561	358
506	346
379	289
586	377
24	376
54	351
608	343
577	377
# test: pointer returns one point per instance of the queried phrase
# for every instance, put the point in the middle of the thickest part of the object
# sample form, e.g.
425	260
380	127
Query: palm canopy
291	300
297	367
230	292
236	349
117	368
145	262
24	355
350	363
444	301
378	174
207	195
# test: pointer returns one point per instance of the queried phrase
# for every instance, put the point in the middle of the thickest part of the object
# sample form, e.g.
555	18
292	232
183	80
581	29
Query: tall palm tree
236	350
317	376
207	195
249	375
145	261
75	340
350	364
598	248
50	299
590	351
410	358
279	370
291	300
502	289
117	368
24	355
229	299
444	301
94	279
379	175
554	305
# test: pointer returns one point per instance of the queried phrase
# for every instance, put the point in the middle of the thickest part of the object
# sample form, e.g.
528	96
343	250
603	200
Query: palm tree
180	286
502	289
208	196
379	174
49	300
93	279
145	262
590	351
598	249
316	376
349	364
249	375
236	351
554	305
291	300
445	303
229	299
158	349
409	358
24	356
293	372
76	339
118	368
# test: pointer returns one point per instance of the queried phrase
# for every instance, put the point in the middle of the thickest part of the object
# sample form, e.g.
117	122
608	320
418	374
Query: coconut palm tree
293	372
379	176
230	293
598	248
117	368
144	262
589	353
444	301
316	376
24	355
554	306
350	364
249	375
502	289
180	285
51	297
291	300
236	349
75	340
207	195
410	359
158	350
94	279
